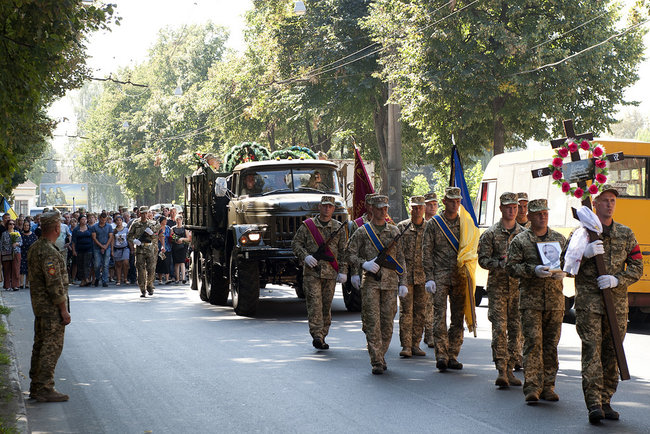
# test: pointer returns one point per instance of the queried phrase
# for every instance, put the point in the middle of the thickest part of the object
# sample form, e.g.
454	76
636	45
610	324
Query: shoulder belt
442	224
318	238
380	247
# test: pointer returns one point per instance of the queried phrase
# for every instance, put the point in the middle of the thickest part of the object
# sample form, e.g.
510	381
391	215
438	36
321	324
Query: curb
14	377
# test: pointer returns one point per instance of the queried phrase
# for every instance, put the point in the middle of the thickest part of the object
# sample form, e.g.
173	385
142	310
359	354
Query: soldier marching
142	238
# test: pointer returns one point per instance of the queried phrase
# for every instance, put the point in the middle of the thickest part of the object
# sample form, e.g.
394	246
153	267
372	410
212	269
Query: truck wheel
351	297
202	270
244	286
194	284
218	288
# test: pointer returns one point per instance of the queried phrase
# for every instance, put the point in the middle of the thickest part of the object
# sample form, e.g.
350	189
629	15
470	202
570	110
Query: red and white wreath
597	151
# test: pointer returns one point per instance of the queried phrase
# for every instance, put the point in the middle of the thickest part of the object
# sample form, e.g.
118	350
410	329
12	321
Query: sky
128	43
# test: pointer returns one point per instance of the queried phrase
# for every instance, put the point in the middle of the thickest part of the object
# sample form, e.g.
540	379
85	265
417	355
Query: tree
479	73
43	53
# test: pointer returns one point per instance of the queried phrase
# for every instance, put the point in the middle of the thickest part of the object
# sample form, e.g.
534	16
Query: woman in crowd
120	251
164	249
72	260
181	238
29	238
10	244
82	248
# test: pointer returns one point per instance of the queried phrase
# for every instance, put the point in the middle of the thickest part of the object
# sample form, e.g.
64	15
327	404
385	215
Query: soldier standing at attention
430	209
320	276
380	284
503	291
430	205
522	210
439	257
48	278
624	266
541	303
412	305
141	235
355	275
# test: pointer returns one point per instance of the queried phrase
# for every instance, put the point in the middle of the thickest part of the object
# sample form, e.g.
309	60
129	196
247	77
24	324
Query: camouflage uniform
541	305
379	297
439	259
428	310
145	254
319	282
48	279
412	306
503	295
623	260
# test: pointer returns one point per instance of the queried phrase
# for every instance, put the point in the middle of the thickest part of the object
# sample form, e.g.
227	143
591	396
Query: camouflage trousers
428	320
145	264
318	297
411	316
599	366
503	313
378	309
48	344
447	342
541	330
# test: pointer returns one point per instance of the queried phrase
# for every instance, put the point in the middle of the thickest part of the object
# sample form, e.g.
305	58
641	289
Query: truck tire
202	276
351	297
194	284
244	286
218	287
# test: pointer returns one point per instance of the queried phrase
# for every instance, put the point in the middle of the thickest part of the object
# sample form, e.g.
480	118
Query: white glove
559	276
148	231
607	281
542	271
593	249
371	266
342	278
355	281
430	287
402	291
137	242
311	261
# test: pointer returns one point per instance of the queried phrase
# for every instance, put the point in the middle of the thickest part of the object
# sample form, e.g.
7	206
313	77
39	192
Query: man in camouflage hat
624	266
541	303
380	283
355	274
522	209
48	279
412	305
430	209
503	291
142	238
320	275
440	260
431	205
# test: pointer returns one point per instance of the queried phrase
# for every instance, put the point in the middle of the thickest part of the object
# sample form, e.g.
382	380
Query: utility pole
394	153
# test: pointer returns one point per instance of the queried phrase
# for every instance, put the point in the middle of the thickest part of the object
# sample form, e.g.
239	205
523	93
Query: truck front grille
286	227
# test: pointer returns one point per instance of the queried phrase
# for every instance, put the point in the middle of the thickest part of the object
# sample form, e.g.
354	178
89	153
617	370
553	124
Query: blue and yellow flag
6	208
468	242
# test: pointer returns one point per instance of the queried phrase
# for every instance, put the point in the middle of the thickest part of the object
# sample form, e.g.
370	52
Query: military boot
51	396
406	352
502	379
417	351
377	370
532	396
596	414
549	394
514	381
610	413
317	343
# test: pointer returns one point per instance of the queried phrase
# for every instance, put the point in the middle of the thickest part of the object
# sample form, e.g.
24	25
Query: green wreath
294	153
243	153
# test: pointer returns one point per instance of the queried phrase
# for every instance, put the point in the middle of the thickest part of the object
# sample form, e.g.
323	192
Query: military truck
243	222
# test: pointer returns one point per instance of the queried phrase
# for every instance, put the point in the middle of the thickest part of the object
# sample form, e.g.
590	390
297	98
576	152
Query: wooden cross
600	263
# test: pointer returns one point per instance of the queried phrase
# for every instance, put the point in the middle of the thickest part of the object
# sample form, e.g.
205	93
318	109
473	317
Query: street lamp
299	8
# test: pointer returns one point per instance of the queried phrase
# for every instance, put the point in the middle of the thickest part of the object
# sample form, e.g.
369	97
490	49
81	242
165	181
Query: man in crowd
48	279
102	235
624	266
413	304
541	303
141	239
380	283
320	275
503	291
430	209
522	210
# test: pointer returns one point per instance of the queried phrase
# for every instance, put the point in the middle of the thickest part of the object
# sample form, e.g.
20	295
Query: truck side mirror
221	187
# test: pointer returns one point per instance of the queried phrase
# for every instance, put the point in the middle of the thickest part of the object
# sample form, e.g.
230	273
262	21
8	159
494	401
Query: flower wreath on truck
600	161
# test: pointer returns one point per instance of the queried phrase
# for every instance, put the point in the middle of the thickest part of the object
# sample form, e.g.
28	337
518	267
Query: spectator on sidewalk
181	238
120	250
29	238
82	249
164	248
10	244
102	234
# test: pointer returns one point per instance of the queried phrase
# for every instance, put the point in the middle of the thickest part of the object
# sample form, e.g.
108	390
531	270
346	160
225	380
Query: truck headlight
250	238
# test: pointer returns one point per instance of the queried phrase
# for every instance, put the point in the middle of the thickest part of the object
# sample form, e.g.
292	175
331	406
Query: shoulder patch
51	269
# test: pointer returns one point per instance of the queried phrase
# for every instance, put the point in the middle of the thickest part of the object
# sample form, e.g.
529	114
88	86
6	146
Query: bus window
486	203
629	176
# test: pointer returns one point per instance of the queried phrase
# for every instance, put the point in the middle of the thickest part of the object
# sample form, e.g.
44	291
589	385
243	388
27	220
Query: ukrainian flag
6	208
468	242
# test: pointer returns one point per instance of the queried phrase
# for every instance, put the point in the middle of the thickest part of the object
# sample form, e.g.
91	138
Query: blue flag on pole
459	181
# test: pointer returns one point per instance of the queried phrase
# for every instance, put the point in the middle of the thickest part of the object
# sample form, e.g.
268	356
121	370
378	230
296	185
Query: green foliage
43	53
243	153
419	186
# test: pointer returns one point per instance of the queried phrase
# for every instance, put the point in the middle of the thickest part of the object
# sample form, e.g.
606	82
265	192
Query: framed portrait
550	252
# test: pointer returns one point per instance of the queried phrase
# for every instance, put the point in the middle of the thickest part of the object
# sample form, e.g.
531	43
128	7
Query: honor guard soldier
541	302
430	205
375	247
412	306
320	243
48	279
430	209
142	236
624	266
522	210
355	275
503	291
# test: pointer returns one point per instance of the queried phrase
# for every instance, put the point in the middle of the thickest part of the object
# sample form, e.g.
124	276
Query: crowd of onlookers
95	247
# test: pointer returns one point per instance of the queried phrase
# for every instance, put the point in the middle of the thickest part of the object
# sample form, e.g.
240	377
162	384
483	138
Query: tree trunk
380	118
270	134
309	136
499	135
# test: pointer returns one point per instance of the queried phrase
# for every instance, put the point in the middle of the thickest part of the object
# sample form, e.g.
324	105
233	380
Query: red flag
362	186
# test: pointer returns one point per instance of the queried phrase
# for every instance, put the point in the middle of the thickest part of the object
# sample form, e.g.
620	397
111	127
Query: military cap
144	209
46	209
508	198
379	201
369	196
50	217
430	197
610	188
327	200
522	196
417	200
453	193
537	205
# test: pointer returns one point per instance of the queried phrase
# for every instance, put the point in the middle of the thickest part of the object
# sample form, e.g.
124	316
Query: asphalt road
172	363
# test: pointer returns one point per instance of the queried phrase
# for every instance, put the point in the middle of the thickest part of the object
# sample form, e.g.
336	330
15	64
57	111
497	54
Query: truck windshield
261	182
